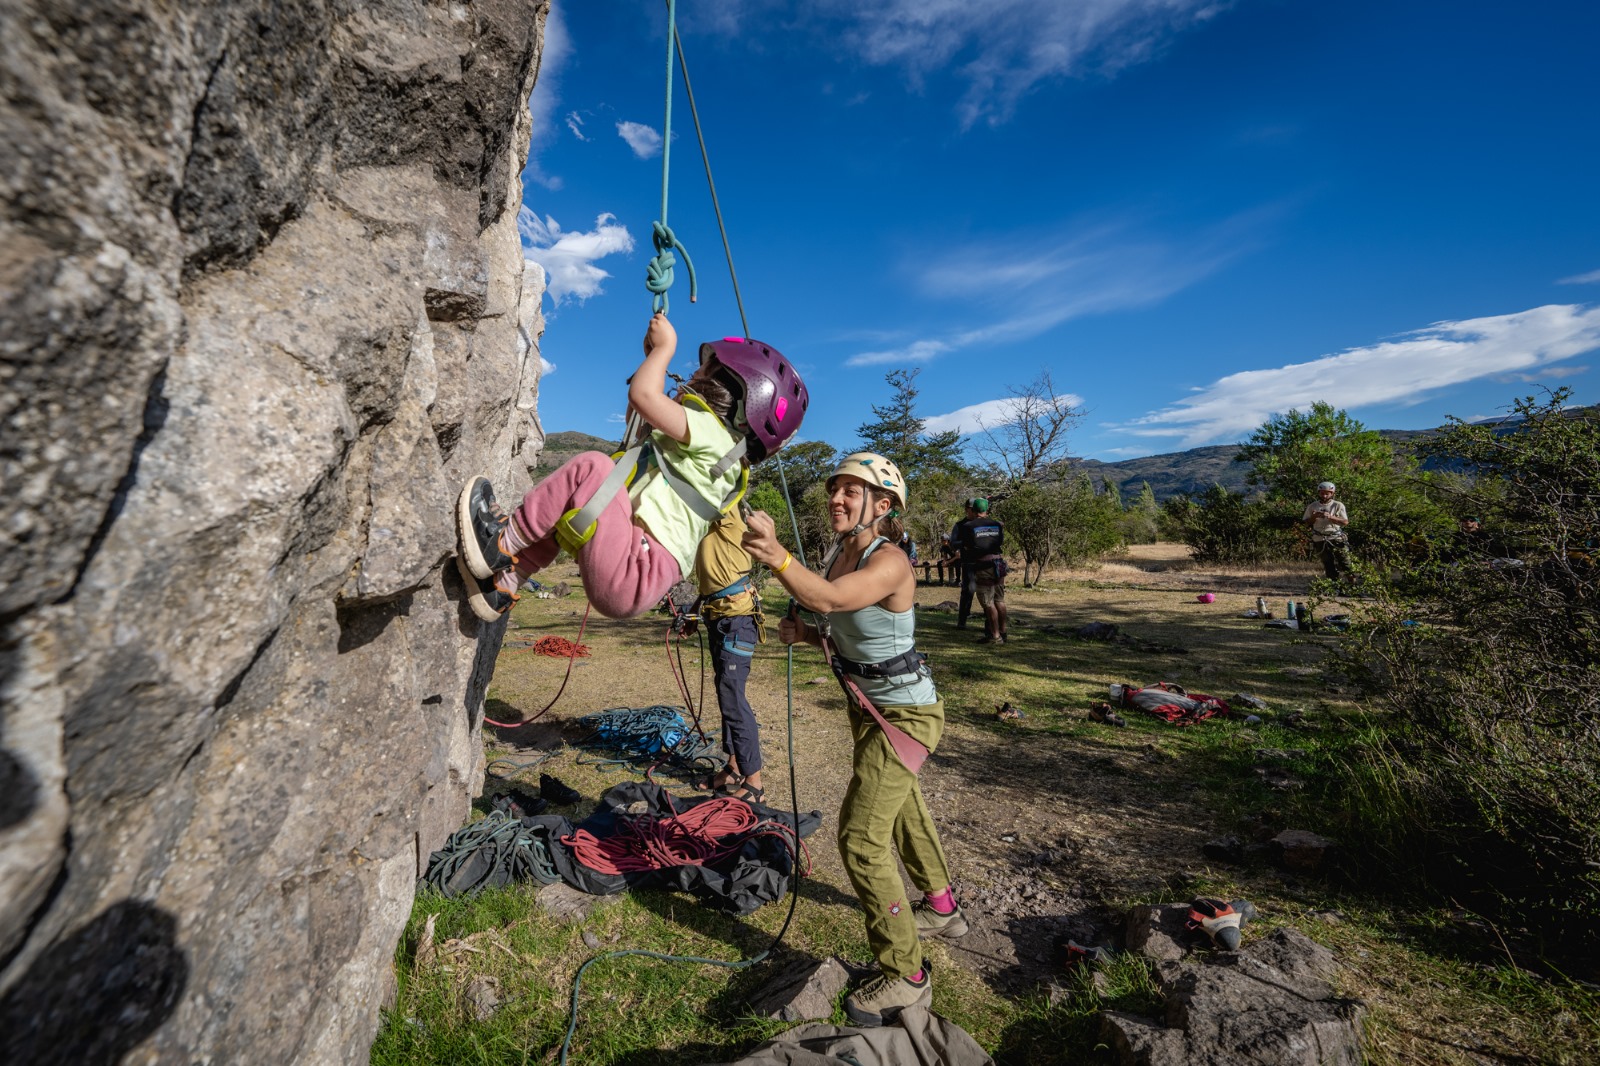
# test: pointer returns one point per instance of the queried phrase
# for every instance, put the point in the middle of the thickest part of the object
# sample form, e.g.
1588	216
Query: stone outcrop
262	307
1271	1003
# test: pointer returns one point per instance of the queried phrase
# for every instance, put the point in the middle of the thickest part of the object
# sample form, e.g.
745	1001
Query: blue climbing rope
659	274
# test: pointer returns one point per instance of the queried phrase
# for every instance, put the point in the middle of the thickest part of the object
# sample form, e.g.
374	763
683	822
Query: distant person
981	539
1327	520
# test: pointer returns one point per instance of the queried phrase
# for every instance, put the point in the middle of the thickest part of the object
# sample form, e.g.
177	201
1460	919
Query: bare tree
1029	437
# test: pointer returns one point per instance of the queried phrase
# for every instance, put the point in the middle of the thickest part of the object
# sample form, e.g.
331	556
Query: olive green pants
883	812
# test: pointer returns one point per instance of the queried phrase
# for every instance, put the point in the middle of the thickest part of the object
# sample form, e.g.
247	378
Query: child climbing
742	405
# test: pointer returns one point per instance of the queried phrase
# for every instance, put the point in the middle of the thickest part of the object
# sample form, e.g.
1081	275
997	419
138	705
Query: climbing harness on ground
707	832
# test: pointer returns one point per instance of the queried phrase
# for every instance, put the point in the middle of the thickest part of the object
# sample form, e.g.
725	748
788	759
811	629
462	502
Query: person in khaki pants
865	596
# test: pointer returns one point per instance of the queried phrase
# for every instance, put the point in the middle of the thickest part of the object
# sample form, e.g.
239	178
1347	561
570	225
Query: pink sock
916	978
507	581
513	540
943	901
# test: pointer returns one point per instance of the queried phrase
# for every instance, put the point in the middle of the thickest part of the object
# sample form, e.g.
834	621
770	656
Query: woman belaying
744	403
864	600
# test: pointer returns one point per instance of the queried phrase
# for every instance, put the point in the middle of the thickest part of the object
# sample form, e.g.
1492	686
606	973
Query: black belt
909	662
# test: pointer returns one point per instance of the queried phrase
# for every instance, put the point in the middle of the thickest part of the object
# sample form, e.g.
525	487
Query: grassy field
1053	825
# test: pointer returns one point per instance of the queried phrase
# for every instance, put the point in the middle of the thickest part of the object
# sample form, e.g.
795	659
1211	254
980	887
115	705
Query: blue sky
1193	214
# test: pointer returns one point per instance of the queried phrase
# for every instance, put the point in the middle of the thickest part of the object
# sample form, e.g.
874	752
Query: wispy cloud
974	418
1550	373
1591	278
569	259
1400	371
547	95
575	124
1003	48
644	140
1035	280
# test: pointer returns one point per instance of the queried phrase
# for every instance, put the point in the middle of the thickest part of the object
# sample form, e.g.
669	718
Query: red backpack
1173	703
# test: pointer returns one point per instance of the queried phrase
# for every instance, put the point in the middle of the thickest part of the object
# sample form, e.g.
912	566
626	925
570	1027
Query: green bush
1491	663
1229	528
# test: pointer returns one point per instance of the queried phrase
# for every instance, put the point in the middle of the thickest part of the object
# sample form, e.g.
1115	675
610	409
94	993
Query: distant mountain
559	447
1177	473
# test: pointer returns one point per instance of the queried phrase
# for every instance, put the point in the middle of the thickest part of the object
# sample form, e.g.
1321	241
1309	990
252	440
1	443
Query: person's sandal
747	793
708	783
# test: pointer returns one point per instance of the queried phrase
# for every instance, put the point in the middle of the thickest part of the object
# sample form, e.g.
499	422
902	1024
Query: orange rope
702	834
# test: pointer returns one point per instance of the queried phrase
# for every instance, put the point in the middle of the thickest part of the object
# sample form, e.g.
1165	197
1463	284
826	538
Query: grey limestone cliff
262	307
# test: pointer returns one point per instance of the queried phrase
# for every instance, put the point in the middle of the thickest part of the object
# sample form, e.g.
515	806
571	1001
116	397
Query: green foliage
1059	522
1492	665
1141	519
1383	490
1228	528
900	433
803	465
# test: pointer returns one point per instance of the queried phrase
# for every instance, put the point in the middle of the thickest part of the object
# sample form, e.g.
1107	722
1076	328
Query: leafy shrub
1492	665
1228	528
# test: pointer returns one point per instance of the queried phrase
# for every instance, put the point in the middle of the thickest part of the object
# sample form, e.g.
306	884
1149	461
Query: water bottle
1261	606
1289	613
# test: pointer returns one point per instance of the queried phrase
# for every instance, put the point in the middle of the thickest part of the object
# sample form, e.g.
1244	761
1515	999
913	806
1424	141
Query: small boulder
1301	850
805	993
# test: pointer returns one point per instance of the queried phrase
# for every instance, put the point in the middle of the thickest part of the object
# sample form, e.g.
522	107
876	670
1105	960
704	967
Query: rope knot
659	273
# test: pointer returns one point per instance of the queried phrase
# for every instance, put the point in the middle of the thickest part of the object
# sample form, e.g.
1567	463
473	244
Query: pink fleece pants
625	570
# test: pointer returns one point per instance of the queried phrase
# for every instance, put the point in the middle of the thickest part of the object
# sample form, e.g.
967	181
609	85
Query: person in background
983	544
734	627
961	558
1327	520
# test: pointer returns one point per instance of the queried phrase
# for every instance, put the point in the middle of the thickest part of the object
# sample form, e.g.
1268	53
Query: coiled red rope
558	648
702	834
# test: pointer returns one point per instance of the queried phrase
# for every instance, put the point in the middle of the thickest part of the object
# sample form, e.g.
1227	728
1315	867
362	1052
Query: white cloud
1552	373
1400	371
645	141
568	258
617	418
1037	279
546	367
1003	48
547	94
575	124
1591	278
990	413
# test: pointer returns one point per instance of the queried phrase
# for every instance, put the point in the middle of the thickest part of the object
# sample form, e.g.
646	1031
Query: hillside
559	447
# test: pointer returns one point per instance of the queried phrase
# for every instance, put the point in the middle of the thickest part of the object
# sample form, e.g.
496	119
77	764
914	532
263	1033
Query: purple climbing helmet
775	399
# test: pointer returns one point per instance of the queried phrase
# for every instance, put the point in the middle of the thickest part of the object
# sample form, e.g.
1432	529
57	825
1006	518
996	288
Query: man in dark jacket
980	540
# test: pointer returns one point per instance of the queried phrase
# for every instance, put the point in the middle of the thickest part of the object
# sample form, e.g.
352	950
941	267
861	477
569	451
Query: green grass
1440	987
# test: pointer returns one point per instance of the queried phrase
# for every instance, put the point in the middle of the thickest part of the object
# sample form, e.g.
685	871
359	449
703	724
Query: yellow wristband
787	559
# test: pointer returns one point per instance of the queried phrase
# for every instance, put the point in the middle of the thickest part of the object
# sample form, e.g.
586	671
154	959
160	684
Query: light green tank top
873	634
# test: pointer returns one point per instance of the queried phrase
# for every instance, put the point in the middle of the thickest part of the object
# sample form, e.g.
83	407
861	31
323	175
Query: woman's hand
761	539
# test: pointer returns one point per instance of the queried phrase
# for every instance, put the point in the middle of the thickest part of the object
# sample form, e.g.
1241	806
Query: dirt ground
1046	821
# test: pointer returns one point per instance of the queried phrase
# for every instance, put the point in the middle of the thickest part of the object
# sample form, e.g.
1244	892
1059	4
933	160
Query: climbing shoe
479	521
882	997
1102	712
930	923
558	791
486	601
1221	920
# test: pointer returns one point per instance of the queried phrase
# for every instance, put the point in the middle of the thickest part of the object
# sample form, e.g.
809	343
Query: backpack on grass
1173	703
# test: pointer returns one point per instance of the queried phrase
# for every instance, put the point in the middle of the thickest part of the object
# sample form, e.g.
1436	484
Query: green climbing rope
659	274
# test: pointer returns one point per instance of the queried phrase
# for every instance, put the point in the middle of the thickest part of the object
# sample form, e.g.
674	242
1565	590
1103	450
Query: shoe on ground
1221	920
479	521
487	601
1102	713
883	997
987	639
558	791
930	923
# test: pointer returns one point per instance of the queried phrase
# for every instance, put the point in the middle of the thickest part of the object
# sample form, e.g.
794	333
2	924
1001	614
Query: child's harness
575	528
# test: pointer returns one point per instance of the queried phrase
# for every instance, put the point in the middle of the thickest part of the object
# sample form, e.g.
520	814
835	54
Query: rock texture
262	307
1269	1003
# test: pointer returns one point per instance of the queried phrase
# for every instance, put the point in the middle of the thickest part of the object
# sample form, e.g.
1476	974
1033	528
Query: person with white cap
1327	519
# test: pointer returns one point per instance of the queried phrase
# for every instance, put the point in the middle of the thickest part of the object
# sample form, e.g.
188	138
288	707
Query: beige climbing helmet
875	470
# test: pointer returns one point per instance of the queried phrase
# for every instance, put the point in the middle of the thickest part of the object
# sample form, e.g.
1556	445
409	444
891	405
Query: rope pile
557	648
657	734
697	836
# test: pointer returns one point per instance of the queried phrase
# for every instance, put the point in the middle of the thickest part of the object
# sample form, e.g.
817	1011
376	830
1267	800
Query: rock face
262	308
1270	1003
